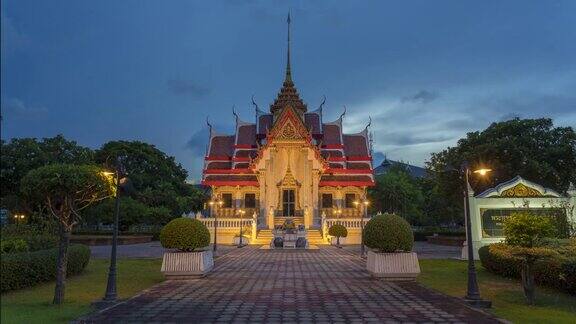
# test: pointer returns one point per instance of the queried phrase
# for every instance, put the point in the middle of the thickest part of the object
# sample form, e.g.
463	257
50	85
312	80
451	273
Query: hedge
185	234
557	272
388	233
21	270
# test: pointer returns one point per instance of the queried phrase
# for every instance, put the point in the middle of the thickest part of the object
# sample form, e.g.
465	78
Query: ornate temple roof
347	157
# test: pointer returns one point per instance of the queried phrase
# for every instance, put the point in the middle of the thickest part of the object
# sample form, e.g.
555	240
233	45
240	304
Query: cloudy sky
426	72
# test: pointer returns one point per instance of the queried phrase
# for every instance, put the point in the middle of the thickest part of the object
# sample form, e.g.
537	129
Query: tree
531	148
524	232
397	193
22	155
65	190
131	212
158	180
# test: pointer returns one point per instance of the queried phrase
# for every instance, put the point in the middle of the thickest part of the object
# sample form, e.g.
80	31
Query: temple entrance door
288	202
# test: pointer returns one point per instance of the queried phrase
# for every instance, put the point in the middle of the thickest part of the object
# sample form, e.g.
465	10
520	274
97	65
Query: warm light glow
210	203
108	173
22	216
356	202
366	202
220	203
482	172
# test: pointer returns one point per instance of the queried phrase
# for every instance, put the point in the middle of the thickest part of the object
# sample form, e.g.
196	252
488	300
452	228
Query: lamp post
212	203
365	202
111	294
473	292
241	212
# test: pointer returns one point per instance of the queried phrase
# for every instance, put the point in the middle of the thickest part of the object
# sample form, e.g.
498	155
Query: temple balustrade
349	223
346	212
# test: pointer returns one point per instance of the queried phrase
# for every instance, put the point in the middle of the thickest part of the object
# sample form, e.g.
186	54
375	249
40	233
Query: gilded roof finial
288	70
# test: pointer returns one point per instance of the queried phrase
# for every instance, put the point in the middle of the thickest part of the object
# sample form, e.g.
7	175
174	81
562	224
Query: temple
288	164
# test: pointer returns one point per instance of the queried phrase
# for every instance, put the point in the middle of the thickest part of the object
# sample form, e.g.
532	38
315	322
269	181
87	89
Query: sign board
492	219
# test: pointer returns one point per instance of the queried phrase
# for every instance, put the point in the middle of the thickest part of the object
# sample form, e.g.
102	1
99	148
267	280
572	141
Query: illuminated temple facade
288	163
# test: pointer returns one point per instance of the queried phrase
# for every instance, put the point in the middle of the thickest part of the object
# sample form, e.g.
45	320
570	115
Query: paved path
326	285
425	250
142	250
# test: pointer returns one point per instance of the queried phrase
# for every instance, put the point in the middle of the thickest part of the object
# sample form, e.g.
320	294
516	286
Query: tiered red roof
347	156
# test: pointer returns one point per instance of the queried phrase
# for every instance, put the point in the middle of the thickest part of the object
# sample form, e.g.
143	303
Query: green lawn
33	305
449	277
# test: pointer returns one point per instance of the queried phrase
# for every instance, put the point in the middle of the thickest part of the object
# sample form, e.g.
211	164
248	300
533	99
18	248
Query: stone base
187	265
393	266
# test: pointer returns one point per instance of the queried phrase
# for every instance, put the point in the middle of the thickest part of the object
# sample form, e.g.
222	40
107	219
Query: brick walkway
327	285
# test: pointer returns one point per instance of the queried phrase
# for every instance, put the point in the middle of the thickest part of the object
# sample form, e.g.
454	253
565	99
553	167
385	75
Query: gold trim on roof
520	190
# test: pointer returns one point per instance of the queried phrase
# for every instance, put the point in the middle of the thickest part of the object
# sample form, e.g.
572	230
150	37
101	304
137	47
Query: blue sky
426	72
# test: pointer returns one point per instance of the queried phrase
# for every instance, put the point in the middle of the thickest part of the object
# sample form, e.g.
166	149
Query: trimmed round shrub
21	270
185	234
338	230
388	233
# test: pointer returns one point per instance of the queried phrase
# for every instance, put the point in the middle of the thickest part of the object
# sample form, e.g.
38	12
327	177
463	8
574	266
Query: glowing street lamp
366	203
19	218
212	203
473	292
241	212
482	172
111	293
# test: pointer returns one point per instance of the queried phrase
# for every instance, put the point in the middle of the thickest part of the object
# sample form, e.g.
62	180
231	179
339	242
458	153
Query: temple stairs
265	236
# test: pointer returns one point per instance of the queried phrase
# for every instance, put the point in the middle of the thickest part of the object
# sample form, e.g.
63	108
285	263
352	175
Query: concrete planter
187	265
393	266
334	240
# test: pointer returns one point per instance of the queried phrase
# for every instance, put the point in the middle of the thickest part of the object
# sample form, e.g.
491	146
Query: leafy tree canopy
66	189
396	192
147	166
21	155
531	148
158	180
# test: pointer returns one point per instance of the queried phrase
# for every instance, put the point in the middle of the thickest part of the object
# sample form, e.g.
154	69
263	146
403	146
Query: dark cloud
422	96
187	87
18	108
399	138
198	141
531	104
464	124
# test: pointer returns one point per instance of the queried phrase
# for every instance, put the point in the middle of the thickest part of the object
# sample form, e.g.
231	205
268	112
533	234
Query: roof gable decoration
289	127
519	187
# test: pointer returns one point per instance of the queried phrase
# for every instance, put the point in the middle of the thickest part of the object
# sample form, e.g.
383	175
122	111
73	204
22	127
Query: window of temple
250	200
327	201
288	202
227	199
350	199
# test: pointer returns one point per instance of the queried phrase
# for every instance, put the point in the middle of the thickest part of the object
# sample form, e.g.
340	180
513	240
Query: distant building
386	165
